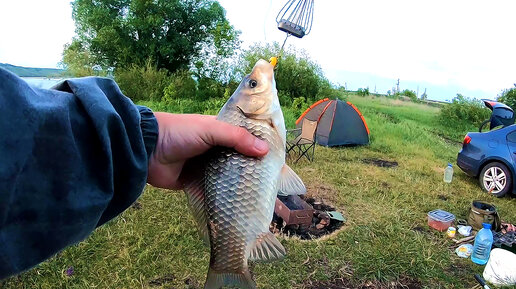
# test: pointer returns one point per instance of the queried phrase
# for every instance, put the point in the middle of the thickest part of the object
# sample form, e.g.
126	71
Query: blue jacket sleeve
71	158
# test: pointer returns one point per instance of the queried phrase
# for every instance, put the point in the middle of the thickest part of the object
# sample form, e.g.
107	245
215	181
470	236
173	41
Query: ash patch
162	280
380	163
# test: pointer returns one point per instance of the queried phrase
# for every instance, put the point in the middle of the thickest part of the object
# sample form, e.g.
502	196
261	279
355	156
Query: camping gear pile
500	269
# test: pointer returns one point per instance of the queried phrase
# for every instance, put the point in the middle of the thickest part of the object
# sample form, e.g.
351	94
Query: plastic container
440	220
451	232
482	246
448	173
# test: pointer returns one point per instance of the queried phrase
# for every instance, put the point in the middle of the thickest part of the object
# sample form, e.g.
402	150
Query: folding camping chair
303	142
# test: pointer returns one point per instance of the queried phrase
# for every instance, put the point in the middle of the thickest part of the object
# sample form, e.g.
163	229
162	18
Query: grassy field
385	242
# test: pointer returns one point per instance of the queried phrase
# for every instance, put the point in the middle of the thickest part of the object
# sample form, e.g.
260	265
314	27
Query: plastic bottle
483	244
448	173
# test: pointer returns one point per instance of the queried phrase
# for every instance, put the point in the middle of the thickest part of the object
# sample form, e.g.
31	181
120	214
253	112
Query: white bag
501	268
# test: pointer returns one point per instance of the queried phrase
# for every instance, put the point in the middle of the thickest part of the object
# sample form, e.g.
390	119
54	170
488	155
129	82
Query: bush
463	109
296	75
508	96
210	88
143	82
410	94
182	85
363	91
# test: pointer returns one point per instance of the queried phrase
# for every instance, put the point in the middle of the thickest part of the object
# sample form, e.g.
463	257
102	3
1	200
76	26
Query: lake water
42	82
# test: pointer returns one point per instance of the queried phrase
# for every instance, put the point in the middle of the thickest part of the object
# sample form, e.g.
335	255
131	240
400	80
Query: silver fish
233	198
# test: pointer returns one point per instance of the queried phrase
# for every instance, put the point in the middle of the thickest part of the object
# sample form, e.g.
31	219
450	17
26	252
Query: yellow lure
273	61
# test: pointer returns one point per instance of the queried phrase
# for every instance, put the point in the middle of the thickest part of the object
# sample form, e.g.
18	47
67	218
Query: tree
508	96
121	33
79	61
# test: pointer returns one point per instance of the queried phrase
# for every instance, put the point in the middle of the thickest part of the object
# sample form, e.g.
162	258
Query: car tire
496	177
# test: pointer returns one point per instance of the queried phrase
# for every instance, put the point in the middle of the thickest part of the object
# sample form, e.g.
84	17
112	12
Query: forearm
70	160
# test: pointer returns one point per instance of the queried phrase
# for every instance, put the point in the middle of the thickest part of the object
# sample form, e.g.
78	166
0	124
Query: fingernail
260	144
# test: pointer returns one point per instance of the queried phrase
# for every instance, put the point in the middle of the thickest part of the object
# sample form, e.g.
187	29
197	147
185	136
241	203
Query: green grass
386	238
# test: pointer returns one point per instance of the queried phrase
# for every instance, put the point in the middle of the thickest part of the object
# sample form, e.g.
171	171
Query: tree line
164	51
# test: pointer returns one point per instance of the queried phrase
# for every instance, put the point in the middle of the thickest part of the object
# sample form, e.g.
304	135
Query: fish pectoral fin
216	280
290	183
267	248
195	195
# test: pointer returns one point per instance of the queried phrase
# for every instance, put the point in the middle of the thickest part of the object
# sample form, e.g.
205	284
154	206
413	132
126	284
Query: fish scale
237	209
232	196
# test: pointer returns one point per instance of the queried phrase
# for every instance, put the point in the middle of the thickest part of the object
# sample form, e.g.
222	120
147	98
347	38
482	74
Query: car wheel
496	179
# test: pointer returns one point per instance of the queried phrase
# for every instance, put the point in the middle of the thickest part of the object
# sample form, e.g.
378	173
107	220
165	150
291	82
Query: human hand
184	136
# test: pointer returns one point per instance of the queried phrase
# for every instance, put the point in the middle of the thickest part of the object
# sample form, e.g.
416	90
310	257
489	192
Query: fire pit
306	218
293	210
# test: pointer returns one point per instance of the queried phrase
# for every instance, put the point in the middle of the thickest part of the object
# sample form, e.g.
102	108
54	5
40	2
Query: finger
219	133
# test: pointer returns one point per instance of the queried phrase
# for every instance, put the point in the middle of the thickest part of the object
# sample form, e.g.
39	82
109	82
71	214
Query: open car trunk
501	115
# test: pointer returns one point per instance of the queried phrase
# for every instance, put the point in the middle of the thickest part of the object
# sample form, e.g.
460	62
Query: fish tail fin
216	280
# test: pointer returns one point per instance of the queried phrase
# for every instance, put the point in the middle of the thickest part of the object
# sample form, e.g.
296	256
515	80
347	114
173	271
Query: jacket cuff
149	126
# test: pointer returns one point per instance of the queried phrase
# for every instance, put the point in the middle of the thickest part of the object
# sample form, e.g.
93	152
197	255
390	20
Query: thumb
223	134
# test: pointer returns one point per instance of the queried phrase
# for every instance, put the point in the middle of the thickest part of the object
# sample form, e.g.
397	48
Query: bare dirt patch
390	118
380	163
136	205
324	192
162	280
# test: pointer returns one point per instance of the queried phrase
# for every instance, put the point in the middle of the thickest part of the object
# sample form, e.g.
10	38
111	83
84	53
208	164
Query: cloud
34	32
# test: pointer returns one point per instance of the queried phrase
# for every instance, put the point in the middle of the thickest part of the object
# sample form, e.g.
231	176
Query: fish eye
253	83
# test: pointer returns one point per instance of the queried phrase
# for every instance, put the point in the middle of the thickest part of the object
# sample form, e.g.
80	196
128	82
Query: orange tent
338	123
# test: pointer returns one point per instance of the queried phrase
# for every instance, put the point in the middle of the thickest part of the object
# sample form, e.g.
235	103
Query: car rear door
511	143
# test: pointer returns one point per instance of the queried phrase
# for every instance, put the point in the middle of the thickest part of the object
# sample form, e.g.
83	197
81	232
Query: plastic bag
465	230
501	268
464	251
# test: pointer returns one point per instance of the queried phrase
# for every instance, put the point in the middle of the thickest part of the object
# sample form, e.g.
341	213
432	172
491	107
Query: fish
233	196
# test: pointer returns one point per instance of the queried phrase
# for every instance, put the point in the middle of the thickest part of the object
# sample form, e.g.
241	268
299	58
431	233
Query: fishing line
265	21
295	18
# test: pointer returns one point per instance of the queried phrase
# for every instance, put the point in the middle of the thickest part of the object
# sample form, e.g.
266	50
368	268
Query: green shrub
363	91
290	115
212	106
143	82
210	88
296	74
463	111
410	94
182	85
508	96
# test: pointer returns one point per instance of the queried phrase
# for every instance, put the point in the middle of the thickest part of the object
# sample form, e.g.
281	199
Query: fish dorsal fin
290	183
195	195
267	248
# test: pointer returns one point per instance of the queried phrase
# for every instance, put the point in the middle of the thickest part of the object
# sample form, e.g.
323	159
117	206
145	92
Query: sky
446	47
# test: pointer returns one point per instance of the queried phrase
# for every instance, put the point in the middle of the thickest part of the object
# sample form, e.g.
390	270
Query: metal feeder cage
296	17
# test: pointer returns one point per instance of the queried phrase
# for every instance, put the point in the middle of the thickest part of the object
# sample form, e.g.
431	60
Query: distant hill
32	72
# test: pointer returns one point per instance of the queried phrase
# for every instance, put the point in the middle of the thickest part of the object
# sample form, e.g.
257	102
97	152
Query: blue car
491	156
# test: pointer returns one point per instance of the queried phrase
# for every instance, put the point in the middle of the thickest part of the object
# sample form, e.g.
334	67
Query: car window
512	137
503	113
